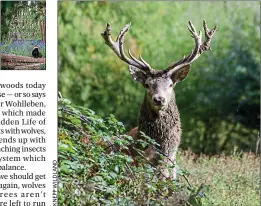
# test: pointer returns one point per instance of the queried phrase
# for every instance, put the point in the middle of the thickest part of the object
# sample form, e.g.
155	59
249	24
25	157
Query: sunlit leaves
94	164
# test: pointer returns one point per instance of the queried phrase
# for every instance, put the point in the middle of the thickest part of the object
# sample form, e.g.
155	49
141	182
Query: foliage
232	180
22	20
22	28
219	101
94	168
89	174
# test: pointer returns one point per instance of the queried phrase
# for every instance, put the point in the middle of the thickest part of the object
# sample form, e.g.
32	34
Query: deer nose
159	100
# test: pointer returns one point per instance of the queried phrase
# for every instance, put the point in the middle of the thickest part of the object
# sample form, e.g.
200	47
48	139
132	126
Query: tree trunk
16	59
14	62
43	25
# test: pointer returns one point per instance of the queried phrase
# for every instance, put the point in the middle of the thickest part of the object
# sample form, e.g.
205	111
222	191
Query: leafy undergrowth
233	180
94	168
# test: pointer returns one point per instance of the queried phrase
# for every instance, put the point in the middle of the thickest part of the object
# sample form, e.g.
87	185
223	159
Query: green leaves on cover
95	169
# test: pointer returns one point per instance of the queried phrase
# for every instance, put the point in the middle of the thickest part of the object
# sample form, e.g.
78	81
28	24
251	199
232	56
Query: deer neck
161	125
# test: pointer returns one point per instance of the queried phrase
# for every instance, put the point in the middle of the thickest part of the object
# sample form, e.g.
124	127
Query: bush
93	171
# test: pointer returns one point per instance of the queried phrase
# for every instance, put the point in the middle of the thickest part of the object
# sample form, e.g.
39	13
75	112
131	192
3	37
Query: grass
92	171
232	180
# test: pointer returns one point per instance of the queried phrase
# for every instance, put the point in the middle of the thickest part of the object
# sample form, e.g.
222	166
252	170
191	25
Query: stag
159	114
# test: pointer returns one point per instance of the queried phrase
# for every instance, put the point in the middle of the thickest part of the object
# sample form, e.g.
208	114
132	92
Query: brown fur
165	128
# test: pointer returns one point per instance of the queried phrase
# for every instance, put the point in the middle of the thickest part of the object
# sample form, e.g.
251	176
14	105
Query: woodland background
23	26
219	101
22	20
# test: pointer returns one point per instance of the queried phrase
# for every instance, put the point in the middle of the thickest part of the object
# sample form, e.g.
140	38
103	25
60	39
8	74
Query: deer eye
147	85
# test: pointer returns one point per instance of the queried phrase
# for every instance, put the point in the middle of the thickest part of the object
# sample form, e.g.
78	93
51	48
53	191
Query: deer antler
118	48
199	47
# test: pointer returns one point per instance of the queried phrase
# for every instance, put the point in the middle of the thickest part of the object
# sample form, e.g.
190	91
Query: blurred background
219	101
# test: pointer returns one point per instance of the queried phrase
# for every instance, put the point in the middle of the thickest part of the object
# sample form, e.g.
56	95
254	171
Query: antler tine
208	36
120	39
118	48
132	57
199	46
107	37
144	62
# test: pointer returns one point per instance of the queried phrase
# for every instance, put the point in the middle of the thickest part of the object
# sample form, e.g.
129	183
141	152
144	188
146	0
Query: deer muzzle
159	101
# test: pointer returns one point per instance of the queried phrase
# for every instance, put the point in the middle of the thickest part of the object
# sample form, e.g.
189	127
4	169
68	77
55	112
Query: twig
187	180
257	143
82	117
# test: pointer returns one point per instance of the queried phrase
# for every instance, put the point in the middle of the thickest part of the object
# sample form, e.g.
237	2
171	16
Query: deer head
159	84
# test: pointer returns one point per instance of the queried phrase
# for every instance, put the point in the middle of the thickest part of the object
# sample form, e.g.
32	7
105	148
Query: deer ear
181	74
137	74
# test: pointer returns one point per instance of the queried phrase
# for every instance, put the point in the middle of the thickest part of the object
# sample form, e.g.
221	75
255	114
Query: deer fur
159	116
164	127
